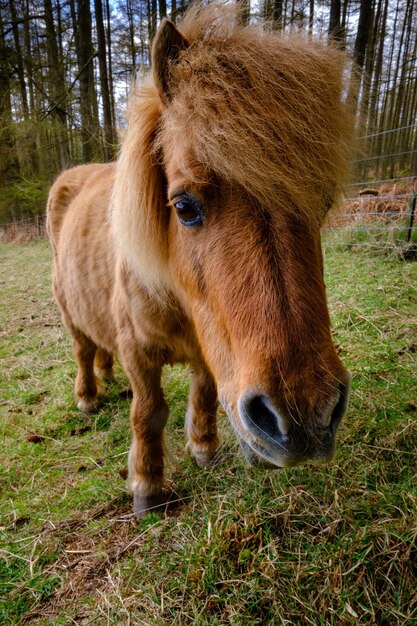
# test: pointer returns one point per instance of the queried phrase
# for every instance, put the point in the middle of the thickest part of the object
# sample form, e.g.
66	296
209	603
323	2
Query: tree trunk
311	18
173	10
154	17
368	69
277	14
162	9
362	36
104	83
335	30
152	21
19	60
110	64
395	144
57	87
9	164
375	91
385	97
84	49
131	26
361	41
28	59
244	7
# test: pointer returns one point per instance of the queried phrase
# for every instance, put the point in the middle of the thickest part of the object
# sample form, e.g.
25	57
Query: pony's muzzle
269	439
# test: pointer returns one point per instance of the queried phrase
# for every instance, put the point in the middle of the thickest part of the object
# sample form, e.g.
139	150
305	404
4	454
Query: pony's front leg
148	416
201	417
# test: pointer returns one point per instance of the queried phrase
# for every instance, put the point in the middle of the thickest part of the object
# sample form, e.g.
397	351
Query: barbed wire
385	132
384	156
369	227
384	181
370	197
386	245
337	214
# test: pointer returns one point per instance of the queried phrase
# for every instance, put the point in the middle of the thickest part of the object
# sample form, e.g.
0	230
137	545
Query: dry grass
24	231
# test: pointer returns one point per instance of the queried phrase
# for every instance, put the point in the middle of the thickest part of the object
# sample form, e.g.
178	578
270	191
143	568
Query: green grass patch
334	546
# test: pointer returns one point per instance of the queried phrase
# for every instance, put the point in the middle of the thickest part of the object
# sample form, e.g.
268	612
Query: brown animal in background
202	244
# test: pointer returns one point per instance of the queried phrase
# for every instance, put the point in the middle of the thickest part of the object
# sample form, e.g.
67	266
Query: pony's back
67	186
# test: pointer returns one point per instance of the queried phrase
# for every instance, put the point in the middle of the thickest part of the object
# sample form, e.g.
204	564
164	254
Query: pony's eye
189	211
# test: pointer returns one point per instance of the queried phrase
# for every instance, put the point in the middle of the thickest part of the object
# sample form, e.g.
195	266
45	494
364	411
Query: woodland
66	68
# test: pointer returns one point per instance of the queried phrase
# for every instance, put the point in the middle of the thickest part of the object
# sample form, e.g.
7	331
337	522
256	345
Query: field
323	546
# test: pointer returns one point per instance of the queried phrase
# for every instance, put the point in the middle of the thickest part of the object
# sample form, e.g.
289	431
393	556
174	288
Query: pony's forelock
259	110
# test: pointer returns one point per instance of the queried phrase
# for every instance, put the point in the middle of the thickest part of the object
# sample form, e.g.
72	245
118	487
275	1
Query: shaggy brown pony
202	244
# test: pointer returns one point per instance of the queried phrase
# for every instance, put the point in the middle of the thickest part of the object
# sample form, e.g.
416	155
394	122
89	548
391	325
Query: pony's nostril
340	408
257	412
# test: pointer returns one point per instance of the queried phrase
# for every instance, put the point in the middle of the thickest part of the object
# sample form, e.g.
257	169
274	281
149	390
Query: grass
322	546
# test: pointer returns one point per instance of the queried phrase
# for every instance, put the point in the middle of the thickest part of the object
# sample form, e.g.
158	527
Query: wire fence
388	153
377	213
23	231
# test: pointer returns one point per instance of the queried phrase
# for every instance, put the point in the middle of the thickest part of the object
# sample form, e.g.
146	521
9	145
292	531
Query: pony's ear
166	48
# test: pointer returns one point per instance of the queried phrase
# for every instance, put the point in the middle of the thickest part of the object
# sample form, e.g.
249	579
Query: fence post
409	220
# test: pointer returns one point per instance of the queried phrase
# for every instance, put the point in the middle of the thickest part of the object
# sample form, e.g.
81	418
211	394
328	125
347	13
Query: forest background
66	68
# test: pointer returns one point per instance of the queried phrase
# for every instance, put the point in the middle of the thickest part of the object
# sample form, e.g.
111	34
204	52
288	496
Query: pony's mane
263	111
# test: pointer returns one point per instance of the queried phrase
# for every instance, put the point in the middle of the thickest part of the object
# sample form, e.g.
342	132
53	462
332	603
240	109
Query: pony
201	244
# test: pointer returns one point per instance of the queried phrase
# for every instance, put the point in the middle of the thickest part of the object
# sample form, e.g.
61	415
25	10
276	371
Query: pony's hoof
203	459
147	504
203	456
87	405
